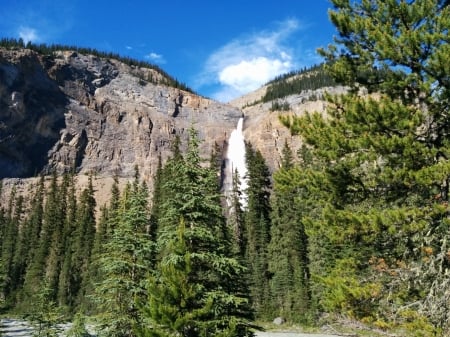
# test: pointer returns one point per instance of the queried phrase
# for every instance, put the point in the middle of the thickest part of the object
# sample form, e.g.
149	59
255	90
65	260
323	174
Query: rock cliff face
262	127
98	115
95	115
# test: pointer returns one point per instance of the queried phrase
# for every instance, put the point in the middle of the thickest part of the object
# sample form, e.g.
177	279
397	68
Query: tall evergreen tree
36	271
44	314
157	197
67	278
83	240
11	230
383	206
257	229
288	249
235	217
56	253
29	242
196	289
124	263
3	278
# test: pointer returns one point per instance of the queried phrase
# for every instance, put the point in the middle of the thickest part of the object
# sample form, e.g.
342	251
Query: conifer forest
354	226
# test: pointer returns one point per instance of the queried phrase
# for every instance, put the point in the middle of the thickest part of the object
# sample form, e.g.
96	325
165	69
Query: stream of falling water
236	160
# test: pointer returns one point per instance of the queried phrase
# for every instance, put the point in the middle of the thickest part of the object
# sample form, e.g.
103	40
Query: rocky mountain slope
262	125
94	115
98	115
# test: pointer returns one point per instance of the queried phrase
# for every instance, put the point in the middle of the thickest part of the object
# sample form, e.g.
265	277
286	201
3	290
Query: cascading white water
236	160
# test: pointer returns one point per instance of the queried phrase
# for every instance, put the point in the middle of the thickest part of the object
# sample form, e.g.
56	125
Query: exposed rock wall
95	115
262	127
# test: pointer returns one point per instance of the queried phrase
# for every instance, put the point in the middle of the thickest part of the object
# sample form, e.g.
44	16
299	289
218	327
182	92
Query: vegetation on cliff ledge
49	50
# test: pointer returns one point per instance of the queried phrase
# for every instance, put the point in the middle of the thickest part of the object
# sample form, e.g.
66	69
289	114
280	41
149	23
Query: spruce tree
383	212
82	242
11	231
196	289
29	242
124	263
288	248
257	230
157	197
37	268
78	328
3	279
56	253
67	278
235	216
44	314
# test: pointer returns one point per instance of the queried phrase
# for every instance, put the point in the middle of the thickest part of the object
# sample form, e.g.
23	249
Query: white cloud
248	62
28	34
157	58
248	75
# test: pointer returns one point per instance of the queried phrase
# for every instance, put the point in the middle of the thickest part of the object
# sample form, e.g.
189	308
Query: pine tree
29	243
124	263
157	197
3	279
44	314
36	271
288	249
67	278
384	183
196	289
257	230
78	328
235	218
83	240
11	230
55	259
16	232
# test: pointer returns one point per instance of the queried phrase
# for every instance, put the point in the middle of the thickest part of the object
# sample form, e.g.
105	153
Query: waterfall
236	161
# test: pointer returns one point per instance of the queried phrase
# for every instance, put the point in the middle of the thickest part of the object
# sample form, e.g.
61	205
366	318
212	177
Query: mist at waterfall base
236	161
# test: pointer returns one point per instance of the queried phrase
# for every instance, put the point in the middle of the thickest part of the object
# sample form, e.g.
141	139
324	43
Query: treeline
176	259
292	83
49	50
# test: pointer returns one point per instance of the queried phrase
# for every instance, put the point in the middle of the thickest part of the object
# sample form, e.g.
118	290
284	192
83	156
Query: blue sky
221	49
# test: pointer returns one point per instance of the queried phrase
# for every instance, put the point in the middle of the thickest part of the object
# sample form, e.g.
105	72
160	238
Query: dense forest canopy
292	83
354	226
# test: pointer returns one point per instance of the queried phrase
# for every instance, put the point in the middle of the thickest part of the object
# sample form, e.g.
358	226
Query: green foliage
257	230
124	262
235	218
3	278
296	82
277	106
78	328
67	281
44	314
288	260
82	244
197	289
380	224
9	241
